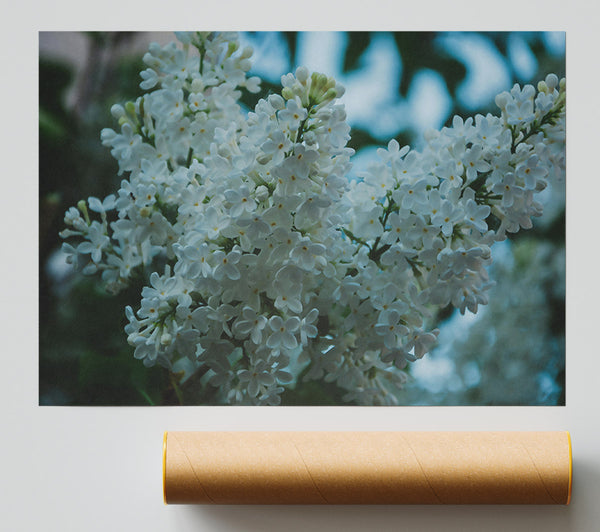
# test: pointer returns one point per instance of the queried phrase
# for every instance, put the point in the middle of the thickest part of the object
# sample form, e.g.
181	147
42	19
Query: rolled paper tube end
570	467
164	467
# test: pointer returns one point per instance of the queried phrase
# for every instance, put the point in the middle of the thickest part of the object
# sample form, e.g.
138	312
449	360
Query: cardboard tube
367	467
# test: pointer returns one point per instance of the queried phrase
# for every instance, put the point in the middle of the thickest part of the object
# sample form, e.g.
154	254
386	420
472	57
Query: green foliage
92	364
314	393
84	356
419	51
358	42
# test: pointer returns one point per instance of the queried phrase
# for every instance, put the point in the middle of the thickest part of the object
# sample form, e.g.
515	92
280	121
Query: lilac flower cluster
277	263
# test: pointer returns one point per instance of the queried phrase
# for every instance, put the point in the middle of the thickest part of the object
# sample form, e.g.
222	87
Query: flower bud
330	83
276	101
81	205
502	99
197	85
117	111
302	74
542	87
562	84
330	94
184	37
130	108
165	338
261	193
287	93
231	48
551	81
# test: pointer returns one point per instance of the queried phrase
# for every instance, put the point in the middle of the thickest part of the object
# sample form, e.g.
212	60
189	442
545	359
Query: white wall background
99	469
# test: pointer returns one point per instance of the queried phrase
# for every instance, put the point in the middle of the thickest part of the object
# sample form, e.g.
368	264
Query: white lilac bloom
530	172
391	328
307	255
509	189
282	335
307	329
276	261
257	378
240	200
226	264
102	206
250	323
474	162
476	215
96	241
277	145
409	195
367	224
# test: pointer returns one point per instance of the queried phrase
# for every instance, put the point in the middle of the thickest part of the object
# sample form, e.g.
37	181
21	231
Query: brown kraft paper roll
367	467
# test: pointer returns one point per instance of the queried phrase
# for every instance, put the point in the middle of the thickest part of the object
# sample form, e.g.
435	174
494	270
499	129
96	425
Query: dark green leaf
358	42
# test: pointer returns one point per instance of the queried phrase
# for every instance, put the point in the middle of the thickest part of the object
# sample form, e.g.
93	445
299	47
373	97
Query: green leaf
358	42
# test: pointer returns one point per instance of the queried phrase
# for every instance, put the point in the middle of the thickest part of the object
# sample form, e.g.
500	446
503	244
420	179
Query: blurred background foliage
512	352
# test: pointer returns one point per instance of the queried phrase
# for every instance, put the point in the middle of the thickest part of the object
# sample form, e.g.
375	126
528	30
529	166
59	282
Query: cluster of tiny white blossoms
273	261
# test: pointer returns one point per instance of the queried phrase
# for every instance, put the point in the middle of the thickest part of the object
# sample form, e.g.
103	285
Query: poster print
302	218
